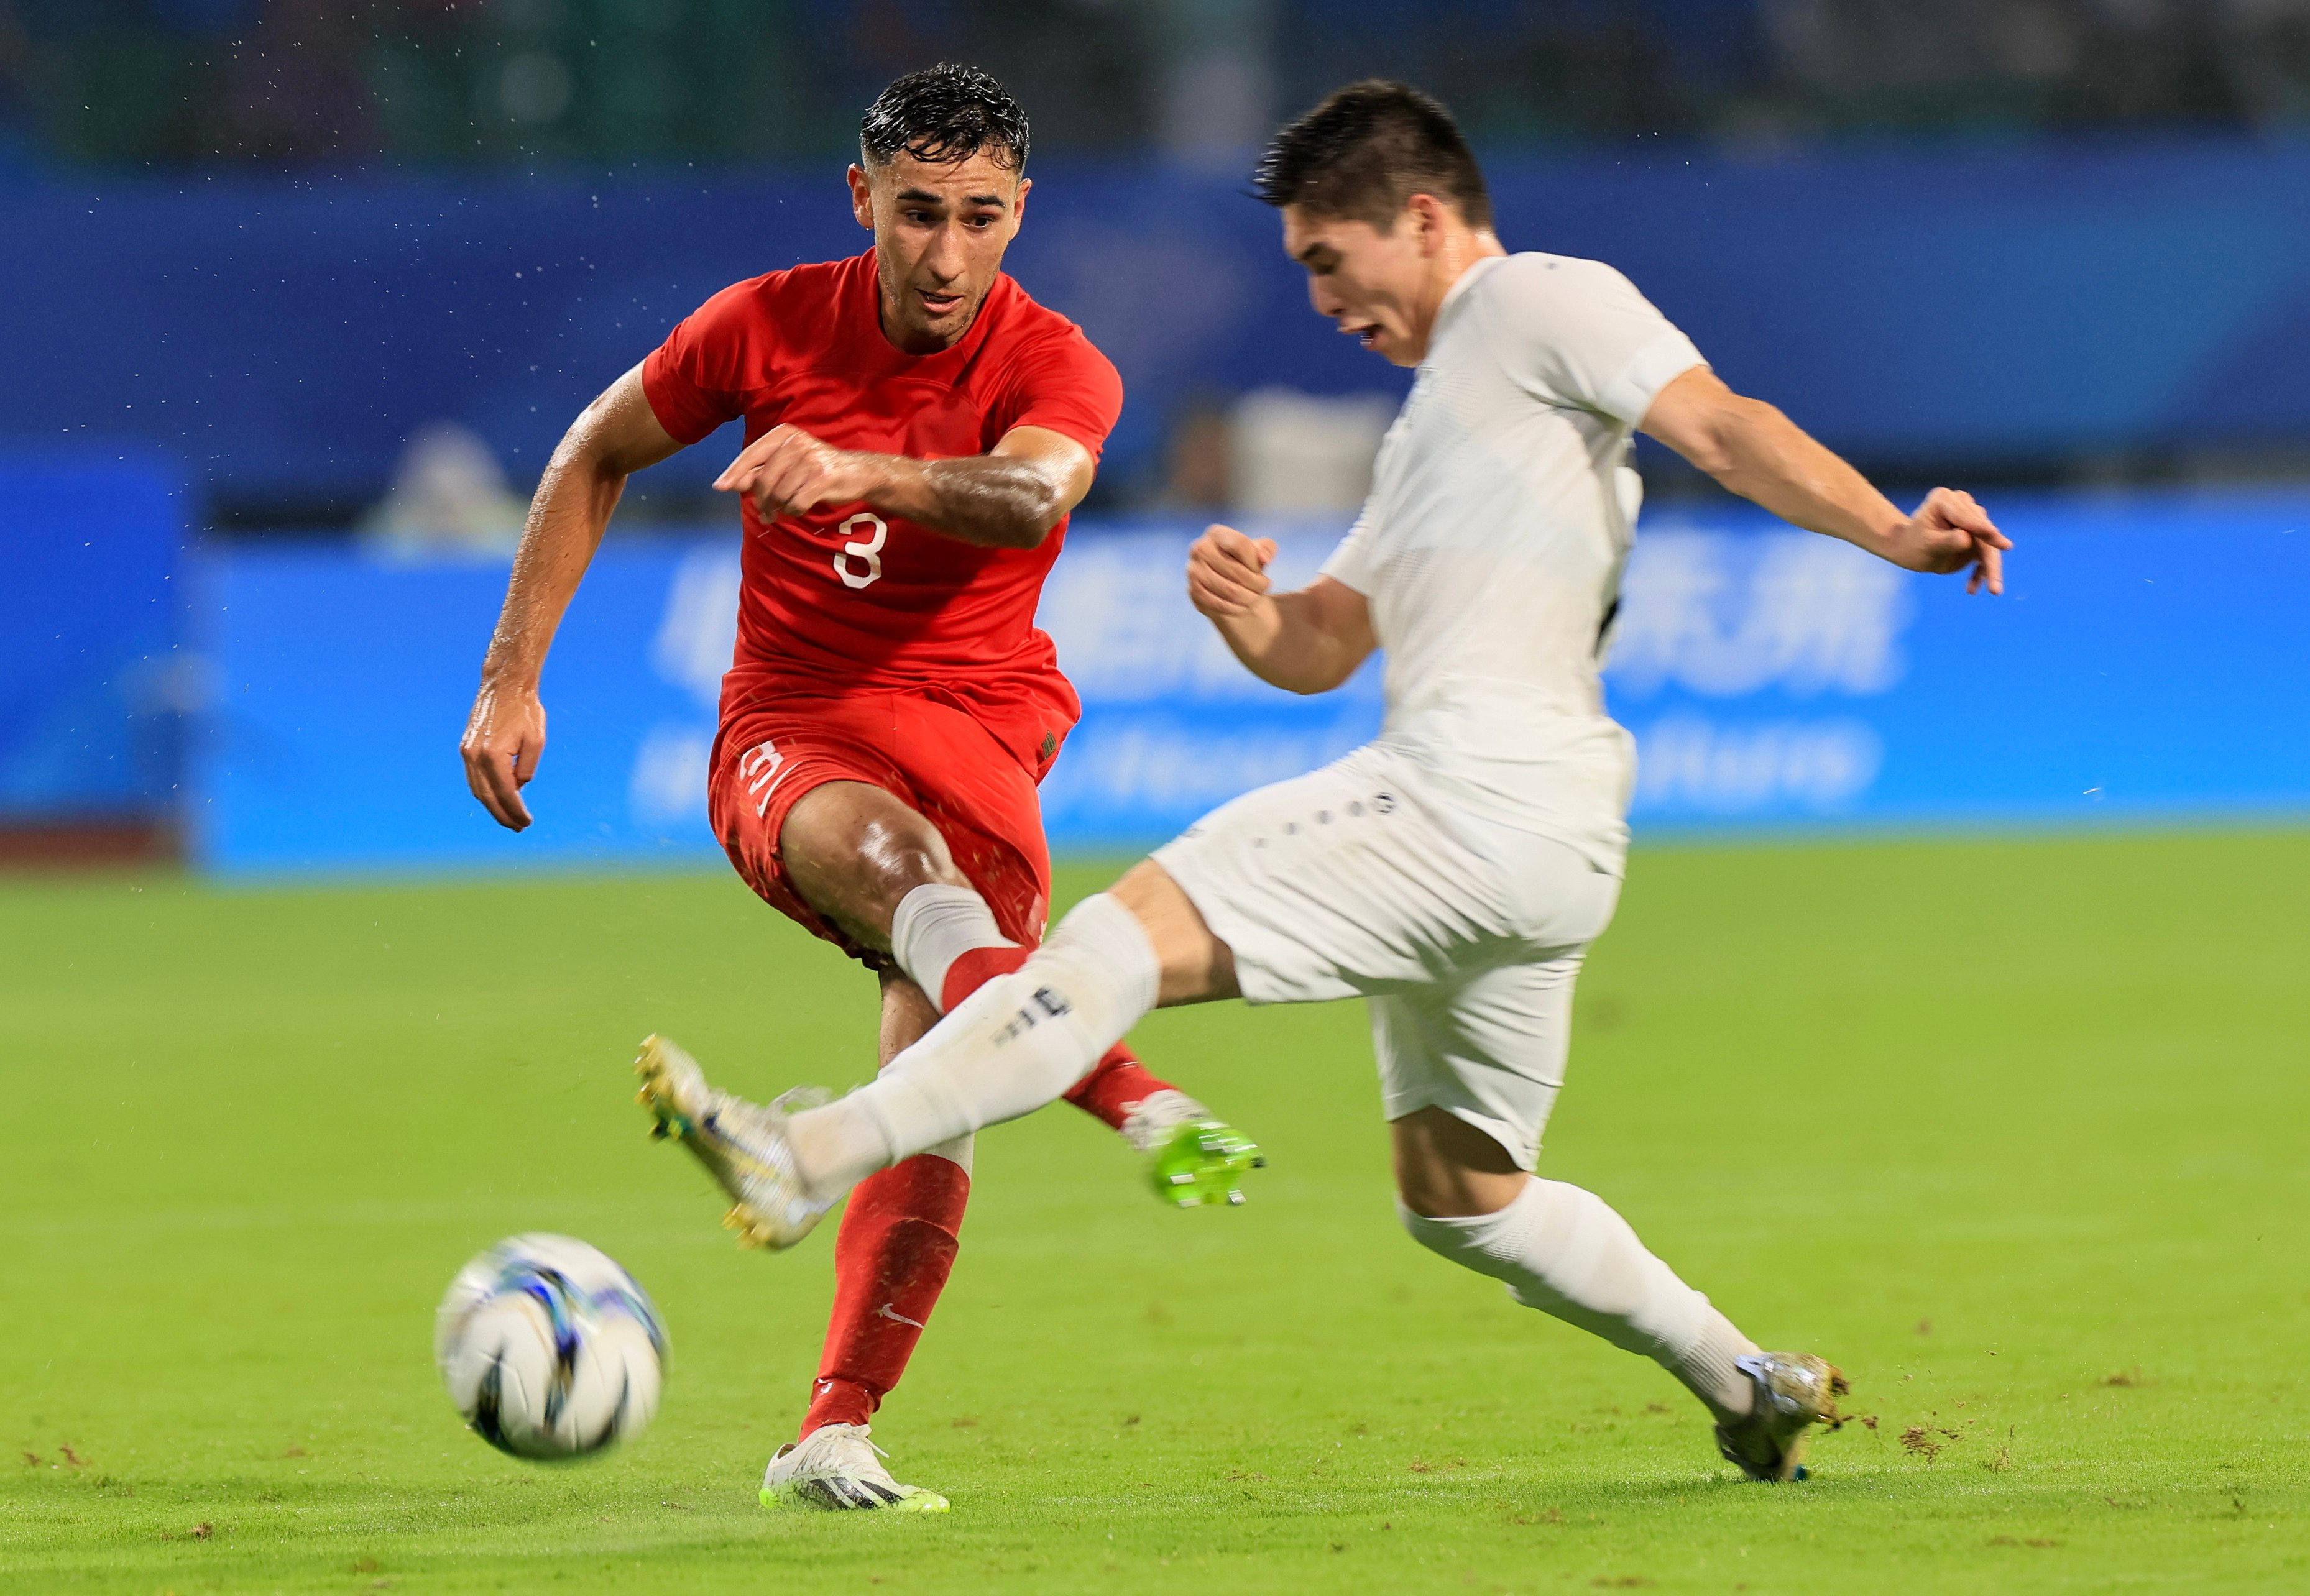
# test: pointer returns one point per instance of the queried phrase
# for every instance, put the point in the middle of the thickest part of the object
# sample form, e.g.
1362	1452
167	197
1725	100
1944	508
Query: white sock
1563	1251
1017	1042
936	924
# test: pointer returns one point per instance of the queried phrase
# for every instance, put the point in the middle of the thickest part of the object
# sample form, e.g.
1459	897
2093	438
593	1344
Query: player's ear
1018	204
862	196
1426	213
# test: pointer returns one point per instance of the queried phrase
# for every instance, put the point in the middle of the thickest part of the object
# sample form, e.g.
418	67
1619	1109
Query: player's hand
1949	533
787	471
1226	571
504	737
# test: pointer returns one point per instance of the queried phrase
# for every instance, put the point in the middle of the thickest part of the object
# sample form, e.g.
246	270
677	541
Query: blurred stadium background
299	295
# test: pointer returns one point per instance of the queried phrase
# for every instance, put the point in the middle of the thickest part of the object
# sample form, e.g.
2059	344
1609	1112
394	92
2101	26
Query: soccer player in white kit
1453	870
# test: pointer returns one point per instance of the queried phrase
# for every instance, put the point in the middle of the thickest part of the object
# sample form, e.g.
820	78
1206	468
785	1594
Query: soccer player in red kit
918	430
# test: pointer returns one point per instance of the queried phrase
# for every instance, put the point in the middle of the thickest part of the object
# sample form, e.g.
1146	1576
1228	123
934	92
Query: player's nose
945	259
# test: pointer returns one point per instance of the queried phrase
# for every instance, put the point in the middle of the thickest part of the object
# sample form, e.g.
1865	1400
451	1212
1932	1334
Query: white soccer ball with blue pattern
549	1348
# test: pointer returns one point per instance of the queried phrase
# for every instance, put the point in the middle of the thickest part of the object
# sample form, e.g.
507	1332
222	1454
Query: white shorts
1466	935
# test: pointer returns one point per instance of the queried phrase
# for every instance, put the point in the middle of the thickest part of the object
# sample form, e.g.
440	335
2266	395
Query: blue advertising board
2150	659
342	683
2151	655
91	678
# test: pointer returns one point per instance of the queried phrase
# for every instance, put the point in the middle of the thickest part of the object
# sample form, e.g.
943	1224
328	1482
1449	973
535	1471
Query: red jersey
842	599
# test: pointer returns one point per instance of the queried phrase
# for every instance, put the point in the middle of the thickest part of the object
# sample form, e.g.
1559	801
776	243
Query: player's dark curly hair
1366	151
945	113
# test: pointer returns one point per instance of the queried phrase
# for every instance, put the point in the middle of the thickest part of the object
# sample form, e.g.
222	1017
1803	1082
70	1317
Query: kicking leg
947	939
882	873
1023	1038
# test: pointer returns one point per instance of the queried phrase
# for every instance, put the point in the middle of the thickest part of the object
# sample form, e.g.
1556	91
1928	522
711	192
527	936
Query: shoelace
869	1442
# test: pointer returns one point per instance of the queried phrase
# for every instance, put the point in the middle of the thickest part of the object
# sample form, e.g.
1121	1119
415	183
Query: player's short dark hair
1366	151
945	113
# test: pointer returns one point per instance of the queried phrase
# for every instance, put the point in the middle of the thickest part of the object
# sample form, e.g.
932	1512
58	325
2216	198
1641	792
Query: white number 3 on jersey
869	550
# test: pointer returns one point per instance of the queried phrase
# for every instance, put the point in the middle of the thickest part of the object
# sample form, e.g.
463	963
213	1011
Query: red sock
899	1235
891	1258
1116	1084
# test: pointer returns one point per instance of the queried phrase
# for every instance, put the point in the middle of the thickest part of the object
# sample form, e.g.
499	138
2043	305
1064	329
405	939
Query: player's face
940	231
1371	283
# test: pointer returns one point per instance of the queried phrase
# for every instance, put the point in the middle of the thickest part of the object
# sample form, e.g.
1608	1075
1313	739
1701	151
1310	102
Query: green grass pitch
2014	1130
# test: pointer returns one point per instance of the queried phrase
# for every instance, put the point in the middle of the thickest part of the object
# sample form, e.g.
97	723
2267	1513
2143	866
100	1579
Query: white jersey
1501	511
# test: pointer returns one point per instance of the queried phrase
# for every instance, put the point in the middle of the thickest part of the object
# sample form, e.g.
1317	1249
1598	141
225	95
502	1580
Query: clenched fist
1226	571
787	471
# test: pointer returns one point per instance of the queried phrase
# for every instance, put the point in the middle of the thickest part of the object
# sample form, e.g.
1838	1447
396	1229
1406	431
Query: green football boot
1192	1157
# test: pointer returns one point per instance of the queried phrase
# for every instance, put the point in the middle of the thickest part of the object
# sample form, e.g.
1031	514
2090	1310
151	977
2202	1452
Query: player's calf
1564	1251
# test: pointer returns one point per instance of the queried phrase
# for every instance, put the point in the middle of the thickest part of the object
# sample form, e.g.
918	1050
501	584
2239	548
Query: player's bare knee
1446	1169
855	851
894	855
1197	967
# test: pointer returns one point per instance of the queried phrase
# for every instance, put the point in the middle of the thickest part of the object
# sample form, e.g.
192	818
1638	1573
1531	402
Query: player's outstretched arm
1308	641
618	435
1759	454
1009	498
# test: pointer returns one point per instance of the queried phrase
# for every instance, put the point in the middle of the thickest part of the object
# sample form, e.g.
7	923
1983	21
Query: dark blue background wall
2001	305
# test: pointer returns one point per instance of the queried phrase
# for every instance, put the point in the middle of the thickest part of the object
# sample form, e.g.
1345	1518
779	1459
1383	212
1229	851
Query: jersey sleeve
1349	564
1577	332
693	379
1064	385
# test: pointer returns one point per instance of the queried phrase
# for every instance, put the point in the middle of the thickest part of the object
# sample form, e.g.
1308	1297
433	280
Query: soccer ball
549	1348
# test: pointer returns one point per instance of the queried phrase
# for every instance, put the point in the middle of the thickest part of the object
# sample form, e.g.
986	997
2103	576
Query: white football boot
836	1468
1793	1392
742	1145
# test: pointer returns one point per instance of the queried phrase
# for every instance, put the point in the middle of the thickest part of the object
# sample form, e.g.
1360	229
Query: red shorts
936	759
